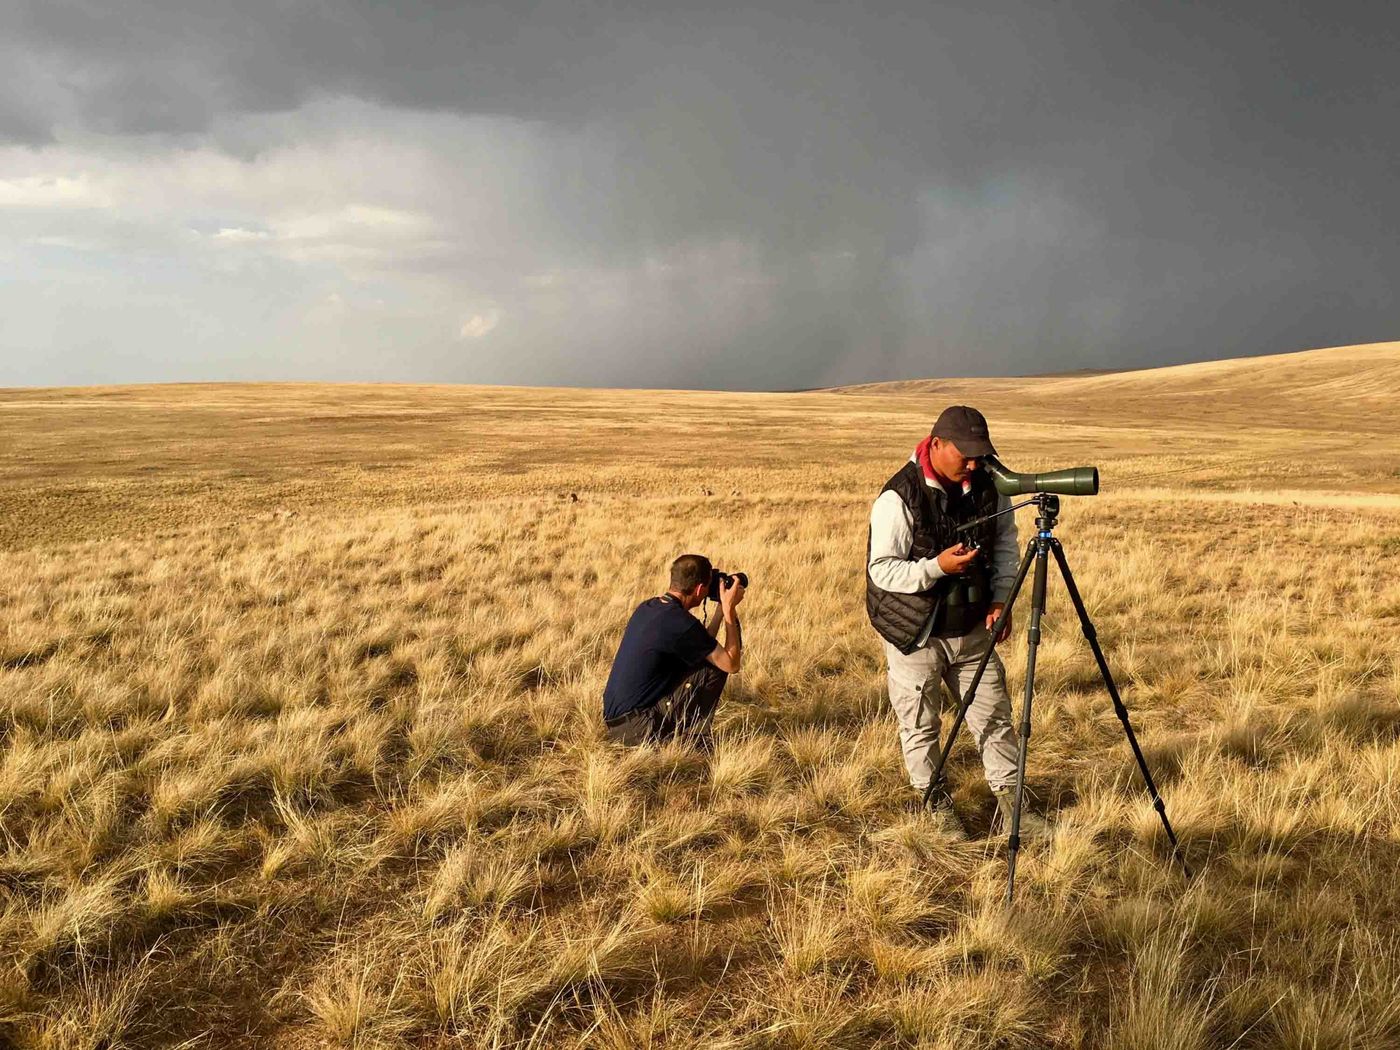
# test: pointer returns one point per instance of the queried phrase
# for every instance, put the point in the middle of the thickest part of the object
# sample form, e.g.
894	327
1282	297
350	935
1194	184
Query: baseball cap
967	429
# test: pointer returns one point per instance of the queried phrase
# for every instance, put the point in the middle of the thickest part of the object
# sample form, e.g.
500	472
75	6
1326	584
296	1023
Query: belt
613	723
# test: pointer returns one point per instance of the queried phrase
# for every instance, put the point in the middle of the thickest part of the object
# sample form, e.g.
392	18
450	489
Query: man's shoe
944	817
1033	825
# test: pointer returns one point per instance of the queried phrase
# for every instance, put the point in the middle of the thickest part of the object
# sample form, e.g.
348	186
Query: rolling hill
1356	387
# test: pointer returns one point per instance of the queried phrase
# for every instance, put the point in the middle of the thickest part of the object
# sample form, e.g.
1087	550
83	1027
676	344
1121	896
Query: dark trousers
685	712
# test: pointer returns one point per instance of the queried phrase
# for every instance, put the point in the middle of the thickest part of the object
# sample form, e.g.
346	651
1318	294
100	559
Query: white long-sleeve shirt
892	537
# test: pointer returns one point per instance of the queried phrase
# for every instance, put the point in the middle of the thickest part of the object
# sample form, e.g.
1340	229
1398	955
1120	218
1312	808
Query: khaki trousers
914	695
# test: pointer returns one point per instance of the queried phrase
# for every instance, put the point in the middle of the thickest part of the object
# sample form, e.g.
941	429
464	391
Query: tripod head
1049	506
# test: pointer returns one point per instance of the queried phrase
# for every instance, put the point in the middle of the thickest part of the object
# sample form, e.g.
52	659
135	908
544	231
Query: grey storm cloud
652	194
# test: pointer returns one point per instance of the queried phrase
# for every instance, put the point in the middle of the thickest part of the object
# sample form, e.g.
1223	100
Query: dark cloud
916	188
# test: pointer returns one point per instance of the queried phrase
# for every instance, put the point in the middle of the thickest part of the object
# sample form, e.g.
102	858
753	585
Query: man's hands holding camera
731	593
956	558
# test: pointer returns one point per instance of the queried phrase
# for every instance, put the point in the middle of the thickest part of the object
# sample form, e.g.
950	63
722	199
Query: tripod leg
1032	643
935	782
1092	636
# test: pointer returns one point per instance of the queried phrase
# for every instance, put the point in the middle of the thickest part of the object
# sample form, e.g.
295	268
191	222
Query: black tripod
1039	549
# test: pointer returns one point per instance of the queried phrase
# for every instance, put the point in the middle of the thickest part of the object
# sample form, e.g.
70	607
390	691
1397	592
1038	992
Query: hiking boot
1033	825
944	817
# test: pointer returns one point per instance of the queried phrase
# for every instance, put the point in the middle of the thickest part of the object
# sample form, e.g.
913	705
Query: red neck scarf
921	456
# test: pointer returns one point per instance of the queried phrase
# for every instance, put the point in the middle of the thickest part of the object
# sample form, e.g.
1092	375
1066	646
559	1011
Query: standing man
934	600
669	670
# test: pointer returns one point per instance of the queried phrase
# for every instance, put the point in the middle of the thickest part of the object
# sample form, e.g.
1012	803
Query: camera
718	577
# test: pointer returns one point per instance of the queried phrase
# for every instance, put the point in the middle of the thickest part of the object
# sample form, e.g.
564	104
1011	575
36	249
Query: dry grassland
299	692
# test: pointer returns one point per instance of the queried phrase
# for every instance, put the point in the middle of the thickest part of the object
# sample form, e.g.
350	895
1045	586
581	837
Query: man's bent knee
709	677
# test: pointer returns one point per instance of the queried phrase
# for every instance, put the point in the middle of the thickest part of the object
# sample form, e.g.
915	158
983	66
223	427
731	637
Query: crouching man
934	600
669	670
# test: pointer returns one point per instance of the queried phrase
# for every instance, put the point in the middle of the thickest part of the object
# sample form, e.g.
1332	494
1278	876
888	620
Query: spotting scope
1071	481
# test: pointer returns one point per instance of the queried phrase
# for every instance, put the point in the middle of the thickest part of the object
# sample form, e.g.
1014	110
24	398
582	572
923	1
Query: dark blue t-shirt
661	645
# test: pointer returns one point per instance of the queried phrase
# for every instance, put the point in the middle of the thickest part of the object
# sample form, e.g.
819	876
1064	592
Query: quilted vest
956	604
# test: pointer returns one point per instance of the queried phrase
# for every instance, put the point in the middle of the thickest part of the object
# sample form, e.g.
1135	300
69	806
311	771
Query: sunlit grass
337	777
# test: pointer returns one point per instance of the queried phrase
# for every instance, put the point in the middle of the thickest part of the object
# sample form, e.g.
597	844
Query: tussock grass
335	775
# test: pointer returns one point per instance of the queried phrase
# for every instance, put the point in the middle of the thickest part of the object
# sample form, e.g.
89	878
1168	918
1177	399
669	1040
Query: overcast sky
687	195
